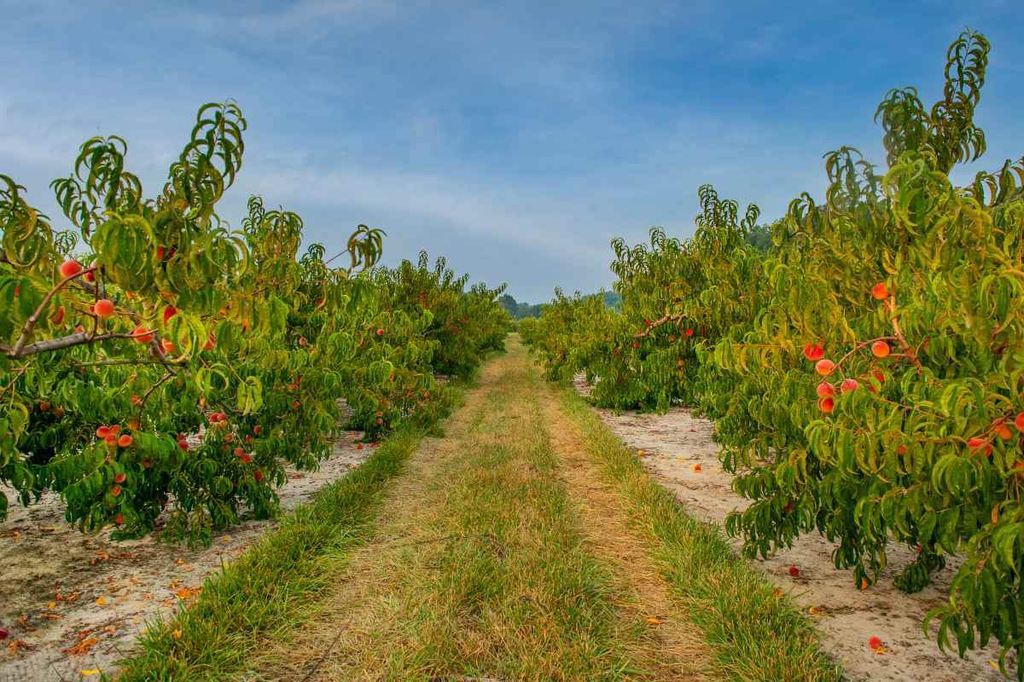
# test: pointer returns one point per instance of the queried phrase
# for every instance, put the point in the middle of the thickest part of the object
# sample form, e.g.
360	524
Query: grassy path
509	551
526	544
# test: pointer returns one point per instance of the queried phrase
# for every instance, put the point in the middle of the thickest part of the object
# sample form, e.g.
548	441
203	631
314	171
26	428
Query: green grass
260	593
756	635
482	571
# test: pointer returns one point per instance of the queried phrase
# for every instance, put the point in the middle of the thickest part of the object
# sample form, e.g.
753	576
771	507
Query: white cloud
515	215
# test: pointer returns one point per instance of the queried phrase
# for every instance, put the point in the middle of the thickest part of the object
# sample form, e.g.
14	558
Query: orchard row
152	358
866	373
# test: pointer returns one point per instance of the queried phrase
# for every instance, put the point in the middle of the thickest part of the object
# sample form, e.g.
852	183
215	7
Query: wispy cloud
519	137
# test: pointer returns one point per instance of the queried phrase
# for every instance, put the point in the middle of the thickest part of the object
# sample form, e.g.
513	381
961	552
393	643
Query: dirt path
671	444
500	555
75	602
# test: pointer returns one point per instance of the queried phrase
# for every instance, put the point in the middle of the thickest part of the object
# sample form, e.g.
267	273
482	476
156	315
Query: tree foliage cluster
157	364
866	372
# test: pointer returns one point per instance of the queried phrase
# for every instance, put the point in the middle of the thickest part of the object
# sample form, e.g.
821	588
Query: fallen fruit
794	571
874	642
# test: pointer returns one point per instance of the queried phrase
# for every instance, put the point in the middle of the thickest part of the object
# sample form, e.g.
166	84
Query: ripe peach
58	316
380	332
169	312
103	308
69	268
1003	431
258	475
1018	421
814	351
880	291
880	349
120	477
168	346
826	405
115	490
824	367
825	390
689	332
102	432
142	335
849	385
119	519
125	441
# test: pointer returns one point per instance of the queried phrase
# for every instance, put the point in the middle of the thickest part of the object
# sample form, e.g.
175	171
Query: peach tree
152	358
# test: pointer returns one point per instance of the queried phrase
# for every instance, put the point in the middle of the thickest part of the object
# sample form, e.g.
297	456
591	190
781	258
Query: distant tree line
522	310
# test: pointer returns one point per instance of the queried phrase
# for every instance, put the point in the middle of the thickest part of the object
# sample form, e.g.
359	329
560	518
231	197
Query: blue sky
515	138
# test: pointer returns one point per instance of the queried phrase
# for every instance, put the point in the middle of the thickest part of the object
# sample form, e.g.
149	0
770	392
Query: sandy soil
671	444
75	602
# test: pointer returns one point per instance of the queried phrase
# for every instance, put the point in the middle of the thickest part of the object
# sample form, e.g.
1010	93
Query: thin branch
109	363
164	379
665	319
76	339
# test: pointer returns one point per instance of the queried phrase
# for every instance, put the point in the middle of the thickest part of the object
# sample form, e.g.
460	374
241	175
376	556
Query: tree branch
30	323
